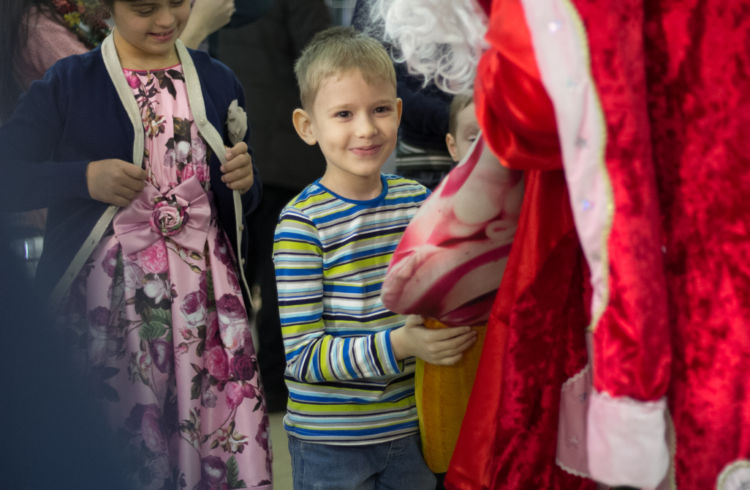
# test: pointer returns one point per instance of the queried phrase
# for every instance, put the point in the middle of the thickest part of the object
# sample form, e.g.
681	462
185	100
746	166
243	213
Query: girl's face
146	30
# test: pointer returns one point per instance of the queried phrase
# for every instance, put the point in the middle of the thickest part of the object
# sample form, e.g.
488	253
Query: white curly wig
440	40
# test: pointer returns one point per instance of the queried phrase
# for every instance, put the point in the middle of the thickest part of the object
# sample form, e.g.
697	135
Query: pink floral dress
166	331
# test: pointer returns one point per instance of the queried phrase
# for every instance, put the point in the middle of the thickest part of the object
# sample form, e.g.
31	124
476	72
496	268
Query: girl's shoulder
79	65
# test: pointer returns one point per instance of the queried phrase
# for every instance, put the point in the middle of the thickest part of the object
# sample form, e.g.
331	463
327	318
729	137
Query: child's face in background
146	30
355	123
467	130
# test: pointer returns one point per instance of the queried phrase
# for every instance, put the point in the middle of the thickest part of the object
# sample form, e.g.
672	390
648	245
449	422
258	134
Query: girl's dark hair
13	39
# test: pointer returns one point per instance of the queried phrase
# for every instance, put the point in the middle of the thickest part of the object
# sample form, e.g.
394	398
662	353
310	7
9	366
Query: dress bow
182	214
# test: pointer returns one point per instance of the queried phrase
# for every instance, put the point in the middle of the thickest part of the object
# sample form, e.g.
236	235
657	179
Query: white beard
441	40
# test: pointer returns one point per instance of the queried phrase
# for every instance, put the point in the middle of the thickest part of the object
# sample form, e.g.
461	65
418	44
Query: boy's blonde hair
337	50
460	102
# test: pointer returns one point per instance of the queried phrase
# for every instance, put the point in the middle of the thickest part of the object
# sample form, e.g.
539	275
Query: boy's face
355	123
467	130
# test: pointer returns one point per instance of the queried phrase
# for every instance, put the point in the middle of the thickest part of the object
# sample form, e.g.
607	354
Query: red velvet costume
632	122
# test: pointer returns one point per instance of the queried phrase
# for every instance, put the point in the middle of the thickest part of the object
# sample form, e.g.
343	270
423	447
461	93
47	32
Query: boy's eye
471	137
382	109
343	114
177	3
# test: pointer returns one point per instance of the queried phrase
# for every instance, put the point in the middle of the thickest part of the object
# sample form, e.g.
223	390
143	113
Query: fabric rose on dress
109	262
146	419
249	390
202	172
212	330
213	472
188	171
243	367
233	281
161	354
133	80
222	251
236	122
233	324
168	217
100	342
208	398
133	275
156	288
197	146
142	361
151	430
193	308
261	435
230	440
235	394
182	151
153	259
169	158
217	363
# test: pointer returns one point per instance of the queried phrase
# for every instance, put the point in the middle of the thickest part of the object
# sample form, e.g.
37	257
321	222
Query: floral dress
159	308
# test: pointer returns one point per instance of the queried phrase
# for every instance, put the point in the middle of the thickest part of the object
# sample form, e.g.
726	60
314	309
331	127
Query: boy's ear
450	142
303	125
399	108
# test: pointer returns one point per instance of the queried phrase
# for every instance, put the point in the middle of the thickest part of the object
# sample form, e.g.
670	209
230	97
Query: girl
126	146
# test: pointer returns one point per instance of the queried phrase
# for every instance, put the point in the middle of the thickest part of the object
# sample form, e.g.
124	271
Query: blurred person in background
262	55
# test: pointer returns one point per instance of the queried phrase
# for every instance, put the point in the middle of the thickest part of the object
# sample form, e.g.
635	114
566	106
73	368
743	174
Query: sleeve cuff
627	442
386	355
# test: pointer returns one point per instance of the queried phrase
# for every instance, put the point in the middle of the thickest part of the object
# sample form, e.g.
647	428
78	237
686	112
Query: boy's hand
114	181
443	346
238	170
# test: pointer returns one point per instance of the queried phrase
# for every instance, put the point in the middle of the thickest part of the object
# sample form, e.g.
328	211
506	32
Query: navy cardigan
74	116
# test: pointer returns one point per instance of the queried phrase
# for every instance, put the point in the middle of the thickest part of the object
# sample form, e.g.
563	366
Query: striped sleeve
312	354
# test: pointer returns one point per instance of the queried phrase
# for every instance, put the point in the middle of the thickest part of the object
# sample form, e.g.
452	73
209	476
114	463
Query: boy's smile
355	123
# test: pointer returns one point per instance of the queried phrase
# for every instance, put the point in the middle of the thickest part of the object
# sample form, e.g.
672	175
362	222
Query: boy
351	417
463	127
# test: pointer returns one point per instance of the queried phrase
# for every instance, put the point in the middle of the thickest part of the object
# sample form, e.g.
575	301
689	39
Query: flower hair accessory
87	19
236	122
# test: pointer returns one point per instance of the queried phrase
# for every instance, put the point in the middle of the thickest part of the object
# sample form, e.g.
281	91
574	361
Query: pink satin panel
535	336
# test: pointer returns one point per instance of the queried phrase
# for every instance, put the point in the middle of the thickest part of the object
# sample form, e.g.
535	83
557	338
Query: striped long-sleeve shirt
331	254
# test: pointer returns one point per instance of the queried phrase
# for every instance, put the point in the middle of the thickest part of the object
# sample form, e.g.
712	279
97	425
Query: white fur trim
114	69
561	50
216	143
627	441
571	427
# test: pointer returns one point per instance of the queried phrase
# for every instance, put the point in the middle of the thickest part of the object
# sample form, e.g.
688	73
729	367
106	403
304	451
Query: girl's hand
114	181
206	17
443	346
238	170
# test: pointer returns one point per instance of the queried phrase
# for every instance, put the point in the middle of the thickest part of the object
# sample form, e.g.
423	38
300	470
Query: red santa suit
619	343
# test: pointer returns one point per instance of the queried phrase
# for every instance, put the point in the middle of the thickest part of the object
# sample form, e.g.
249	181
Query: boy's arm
312	354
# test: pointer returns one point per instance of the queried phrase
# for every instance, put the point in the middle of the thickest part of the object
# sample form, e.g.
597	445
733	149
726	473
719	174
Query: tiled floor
282	463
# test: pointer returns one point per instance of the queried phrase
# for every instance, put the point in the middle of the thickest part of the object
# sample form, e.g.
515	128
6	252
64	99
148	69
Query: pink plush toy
451	258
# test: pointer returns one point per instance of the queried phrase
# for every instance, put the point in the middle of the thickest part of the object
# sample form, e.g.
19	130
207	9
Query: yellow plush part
442	394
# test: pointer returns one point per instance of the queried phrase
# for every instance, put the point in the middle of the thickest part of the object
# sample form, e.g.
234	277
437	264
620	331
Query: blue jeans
396	465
